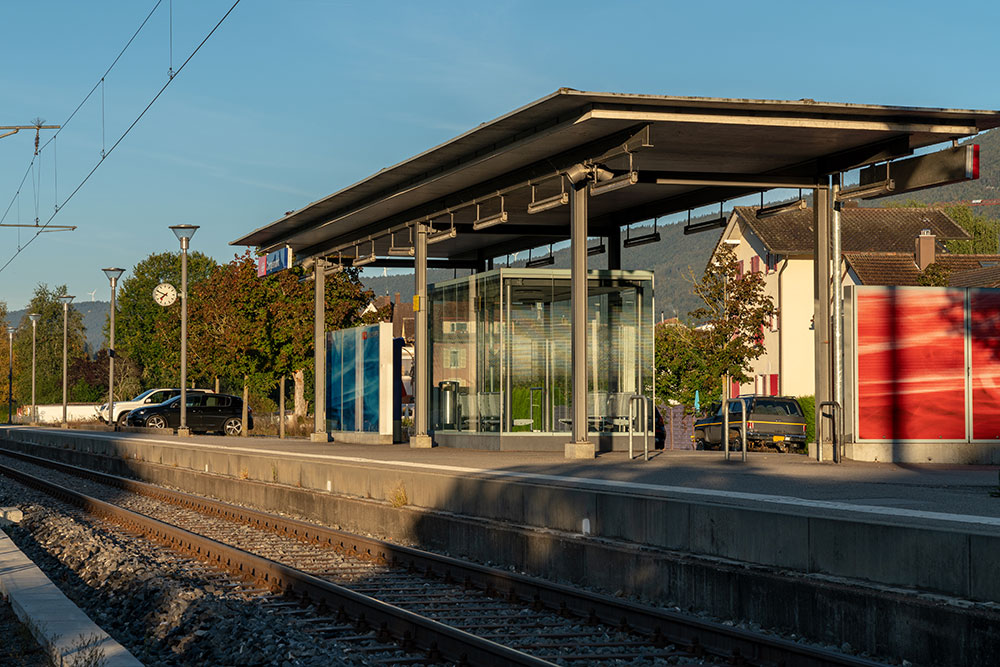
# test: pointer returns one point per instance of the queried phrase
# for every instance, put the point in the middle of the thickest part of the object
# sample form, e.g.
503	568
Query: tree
49	348
935	275
985	232
149	334
728	337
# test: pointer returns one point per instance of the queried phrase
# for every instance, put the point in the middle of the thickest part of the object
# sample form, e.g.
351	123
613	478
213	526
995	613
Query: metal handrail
743	425
837	417
643	401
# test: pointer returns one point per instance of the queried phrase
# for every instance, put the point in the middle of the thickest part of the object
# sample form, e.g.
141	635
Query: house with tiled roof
881	246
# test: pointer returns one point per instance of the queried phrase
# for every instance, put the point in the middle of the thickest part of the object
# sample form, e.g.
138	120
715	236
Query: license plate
777	438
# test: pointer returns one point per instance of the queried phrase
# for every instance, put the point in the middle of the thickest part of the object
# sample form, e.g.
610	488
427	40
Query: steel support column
319	434
821	307
837	324
580	447
421	375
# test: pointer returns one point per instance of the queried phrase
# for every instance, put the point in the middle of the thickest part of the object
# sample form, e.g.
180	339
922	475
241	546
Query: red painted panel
984	321
911	364
774	384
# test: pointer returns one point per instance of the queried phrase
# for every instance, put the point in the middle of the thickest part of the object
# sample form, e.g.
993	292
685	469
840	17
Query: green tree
935	275
728	337
148	334
985	232
48	367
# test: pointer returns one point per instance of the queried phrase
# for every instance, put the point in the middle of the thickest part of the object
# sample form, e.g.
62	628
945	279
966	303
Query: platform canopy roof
667	154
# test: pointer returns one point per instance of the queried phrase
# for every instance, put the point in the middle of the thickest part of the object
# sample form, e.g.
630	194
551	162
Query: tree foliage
985	232
146	333
734	312
49	346
935	275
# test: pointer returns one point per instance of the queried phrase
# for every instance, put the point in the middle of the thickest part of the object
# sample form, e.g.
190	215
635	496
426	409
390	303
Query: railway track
436	608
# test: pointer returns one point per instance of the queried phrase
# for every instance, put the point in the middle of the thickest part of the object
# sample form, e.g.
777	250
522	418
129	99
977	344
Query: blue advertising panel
273	262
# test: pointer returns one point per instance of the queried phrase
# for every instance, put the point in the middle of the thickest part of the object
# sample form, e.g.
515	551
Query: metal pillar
65	357
319	434
281	407
821	306
837	335
580	447
34	337
183	429
614	246
10	377
421	379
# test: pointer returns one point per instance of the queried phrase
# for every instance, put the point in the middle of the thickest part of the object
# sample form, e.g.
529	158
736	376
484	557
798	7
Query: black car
773	421
205	412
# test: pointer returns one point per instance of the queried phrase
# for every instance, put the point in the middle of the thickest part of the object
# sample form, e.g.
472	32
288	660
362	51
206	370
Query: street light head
113	273
66	299
184	232
11	330
34	317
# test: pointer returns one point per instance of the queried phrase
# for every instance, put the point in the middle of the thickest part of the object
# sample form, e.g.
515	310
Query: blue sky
290	101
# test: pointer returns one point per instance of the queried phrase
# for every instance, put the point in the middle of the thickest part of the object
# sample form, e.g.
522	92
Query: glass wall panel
369	399
348	383
501	351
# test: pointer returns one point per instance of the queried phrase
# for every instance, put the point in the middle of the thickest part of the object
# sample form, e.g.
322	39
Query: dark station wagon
206	412
772	421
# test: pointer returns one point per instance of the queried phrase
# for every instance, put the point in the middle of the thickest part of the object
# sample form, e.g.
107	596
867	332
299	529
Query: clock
164	294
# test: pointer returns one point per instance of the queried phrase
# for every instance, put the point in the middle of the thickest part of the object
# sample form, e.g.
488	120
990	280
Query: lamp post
113	275
184	234
34	335
10	375
65	299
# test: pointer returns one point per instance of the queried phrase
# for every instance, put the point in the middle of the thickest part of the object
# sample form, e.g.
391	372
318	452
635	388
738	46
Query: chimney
924	256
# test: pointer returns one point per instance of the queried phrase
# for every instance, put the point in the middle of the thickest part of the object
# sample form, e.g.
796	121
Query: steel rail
661	625
408	629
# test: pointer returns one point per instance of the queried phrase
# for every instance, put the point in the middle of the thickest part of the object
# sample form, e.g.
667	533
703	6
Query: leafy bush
808	404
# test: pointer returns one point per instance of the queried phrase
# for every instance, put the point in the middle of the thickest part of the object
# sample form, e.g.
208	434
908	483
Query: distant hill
986	187
670	261
95	314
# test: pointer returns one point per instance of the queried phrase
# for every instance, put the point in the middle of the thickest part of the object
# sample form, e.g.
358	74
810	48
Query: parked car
206	412
148	397
773	421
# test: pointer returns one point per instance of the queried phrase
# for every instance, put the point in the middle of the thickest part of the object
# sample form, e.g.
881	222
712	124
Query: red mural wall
911	364
984	347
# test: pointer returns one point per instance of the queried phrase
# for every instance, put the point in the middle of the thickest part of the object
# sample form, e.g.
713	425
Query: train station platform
779	538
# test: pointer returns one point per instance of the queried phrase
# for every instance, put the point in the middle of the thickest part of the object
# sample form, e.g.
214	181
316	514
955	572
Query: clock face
164	294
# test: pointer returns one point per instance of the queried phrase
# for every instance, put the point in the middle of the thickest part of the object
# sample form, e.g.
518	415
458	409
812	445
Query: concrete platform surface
907	494
57	623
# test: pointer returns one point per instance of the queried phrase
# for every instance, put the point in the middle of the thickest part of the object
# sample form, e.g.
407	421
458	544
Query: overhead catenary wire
126	132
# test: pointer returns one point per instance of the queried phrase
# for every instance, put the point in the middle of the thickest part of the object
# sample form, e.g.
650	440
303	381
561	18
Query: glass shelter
501	373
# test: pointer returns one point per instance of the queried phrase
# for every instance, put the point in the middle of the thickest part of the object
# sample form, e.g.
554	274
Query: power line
124	134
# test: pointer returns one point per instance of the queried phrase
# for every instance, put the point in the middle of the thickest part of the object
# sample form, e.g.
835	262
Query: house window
772	262
755	264
773	322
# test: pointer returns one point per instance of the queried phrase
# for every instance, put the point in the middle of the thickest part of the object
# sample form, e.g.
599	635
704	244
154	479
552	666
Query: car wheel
156	421
233	426
123	419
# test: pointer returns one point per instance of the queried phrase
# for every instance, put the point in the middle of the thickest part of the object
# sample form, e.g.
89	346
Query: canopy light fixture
539	205
540	261
768	211
705	225
490	220
616	183
364	261
598	249
400	251
444	235
633	241
879	189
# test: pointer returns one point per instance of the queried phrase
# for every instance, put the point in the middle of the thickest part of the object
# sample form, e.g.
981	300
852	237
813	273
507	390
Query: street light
184	234
10	376
113	275
34	331
65	299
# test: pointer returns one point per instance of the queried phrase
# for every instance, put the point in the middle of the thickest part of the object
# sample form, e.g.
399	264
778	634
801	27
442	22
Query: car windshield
766	406
143	395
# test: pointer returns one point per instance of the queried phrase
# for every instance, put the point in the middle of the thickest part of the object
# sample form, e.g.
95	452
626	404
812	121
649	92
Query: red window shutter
755	264
774	384
734	389
739	269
